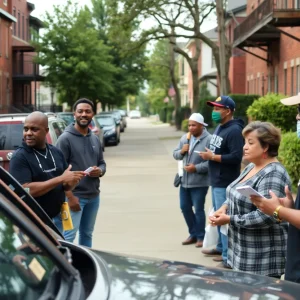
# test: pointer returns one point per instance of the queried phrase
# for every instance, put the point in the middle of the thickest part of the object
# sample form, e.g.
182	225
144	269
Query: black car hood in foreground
142	278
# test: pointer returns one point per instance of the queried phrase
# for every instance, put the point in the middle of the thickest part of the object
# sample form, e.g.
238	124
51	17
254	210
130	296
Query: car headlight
109	132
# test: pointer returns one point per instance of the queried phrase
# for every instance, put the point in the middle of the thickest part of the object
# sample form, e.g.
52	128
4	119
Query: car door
31	266
11	136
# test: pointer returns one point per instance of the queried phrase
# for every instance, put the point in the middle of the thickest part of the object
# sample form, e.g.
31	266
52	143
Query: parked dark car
67	116
11	134
36	263
110	128
69	119
118	117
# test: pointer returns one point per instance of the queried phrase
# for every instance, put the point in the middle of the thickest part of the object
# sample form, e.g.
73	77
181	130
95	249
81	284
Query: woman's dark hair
83	100
268	135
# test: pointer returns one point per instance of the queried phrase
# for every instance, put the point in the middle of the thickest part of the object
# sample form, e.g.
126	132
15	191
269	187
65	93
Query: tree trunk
224	49
177	100
196	90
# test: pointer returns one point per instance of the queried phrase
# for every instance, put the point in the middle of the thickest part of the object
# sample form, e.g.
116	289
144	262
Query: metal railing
25	68
266	8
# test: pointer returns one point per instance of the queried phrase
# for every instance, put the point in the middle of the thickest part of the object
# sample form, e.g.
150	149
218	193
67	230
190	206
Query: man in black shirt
42	167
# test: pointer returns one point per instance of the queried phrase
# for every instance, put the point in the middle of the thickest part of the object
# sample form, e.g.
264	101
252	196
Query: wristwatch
276	213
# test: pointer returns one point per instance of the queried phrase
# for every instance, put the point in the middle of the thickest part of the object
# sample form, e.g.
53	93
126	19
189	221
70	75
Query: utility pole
222	46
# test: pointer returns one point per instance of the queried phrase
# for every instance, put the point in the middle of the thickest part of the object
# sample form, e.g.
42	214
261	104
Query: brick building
6	24
19	75
270	35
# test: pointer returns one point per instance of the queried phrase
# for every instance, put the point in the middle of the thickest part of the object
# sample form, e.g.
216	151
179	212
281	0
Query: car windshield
24	268
106	121
69	118
11	136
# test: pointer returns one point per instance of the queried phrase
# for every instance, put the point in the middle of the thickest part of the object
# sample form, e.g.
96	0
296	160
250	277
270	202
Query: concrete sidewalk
139	213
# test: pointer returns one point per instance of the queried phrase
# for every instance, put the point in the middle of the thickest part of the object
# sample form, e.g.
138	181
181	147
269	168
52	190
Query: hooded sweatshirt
82	152
200	177
227	141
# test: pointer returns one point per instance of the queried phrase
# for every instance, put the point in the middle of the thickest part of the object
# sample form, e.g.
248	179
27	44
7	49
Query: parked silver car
36	263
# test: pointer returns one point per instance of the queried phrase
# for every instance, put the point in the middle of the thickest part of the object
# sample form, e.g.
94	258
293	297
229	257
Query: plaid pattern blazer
256	241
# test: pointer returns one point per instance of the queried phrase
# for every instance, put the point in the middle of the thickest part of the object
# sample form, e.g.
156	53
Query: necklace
45	156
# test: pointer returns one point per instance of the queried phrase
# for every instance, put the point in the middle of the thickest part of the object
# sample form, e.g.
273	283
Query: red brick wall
237	74
283	53
5	60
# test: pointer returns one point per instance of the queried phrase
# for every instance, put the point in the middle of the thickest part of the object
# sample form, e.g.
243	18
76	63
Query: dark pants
195	219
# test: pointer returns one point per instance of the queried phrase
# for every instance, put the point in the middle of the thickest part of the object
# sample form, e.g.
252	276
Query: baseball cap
291	100
223	101
197	118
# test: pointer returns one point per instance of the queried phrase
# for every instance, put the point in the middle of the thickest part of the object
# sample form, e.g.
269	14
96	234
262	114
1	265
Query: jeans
218	198
84	220
189	198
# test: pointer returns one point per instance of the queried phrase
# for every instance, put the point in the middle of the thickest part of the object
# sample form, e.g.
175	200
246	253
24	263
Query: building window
27	30
269	83
248	87
182	67
19	24
5	2
15	24
297	3
23	27
6	41
213	60
292	81
285	81
276	83
298	80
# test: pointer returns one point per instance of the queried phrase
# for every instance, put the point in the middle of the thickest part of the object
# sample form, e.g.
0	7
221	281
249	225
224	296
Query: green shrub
242	102
269	108
184	125
289	153
166	114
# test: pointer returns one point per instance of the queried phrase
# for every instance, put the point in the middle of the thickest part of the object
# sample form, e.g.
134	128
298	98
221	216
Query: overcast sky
41	6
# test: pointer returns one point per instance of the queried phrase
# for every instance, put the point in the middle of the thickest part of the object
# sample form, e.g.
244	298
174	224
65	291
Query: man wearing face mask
224	154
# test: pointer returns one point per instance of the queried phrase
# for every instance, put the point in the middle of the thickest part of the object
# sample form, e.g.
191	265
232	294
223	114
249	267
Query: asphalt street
139	211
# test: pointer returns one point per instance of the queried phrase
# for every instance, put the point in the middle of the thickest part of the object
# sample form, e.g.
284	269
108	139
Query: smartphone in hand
248	191
89	170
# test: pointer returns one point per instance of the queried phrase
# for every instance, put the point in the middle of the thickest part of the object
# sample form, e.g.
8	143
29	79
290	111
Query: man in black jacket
42	167
224	154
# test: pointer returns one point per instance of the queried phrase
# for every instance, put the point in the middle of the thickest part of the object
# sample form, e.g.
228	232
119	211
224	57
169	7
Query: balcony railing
262	12
25	68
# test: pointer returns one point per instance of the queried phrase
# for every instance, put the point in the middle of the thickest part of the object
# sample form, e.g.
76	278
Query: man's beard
83	125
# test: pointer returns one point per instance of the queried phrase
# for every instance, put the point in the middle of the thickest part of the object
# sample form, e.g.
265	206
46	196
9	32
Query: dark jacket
27	167
227	141
200	177
82	152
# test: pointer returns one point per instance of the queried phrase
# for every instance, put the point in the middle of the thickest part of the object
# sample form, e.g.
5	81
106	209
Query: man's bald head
38	117
35	130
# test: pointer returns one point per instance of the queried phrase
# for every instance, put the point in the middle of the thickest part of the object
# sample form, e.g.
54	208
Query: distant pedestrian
83	150
194	182
41	167
224	154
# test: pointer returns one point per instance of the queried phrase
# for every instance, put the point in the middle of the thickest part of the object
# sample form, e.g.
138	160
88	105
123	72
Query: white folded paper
180	168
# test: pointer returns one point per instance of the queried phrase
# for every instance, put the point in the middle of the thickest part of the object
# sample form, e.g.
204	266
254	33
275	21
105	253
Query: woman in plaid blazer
256	241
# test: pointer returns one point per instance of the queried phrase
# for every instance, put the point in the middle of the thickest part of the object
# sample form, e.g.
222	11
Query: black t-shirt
28	166
292	268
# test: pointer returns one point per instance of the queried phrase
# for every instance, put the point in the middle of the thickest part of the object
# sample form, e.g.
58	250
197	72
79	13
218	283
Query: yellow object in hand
66	217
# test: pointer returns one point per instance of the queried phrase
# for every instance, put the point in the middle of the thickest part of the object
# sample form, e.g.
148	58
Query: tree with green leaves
170	20
131	64
76	61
